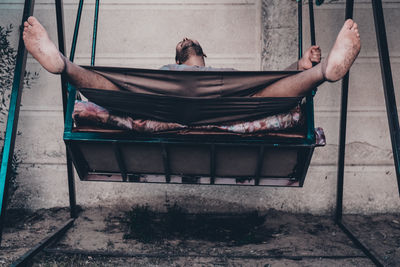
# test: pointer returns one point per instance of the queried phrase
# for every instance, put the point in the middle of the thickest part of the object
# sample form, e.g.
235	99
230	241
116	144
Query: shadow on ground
143	237
146	225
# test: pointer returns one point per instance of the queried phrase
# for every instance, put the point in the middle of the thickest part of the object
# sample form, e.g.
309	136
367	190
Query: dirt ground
141	237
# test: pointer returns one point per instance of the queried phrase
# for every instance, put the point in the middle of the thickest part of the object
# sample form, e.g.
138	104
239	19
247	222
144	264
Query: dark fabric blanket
190	97
89	114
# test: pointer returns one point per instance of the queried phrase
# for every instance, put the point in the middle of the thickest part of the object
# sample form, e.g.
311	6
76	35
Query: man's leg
38	43
333	68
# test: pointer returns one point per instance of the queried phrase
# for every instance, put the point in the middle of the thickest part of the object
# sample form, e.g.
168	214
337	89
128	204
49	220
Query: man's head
189	52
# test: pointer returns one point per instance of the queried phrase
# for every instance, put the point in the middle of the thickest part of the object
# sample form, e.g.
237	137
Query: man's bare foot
38	43
343	53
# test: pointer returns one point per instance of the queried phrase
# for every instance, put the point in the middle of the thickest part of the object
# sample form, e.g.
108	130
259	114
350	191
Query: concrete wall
244	34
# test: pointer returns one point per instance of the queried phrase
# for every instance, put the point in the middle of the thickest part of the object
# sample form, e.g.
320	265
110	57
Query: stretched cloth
190	97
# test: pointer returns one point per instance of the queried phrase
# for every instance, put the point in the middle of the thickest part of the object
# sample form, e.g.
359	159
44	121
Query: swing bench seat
269	159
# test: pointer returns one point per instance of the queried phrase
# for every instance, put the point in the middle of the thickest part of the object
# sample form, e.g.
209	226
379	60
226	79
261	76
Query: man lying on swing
189	53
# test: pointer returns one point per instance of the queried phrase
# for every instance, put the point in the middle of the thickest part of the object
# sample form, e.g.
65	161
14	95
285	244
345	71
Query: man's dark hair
189	48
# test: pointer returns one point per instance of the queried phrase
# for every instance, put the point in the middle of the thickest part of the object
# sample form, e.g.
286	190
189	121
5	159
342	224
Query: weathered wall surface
244	34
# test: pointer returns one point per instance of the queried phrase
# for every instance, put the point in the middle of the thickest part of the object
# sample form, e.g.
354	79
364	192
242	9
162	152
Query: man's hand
313	54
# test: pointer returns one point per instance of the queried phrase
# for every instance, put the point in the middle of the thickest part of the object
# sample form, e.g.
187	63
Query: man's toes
26	24
349	23
32	20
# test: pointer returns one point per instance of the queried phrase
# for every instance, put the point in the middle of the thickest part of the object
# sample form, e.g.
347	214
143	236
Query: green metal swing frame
299	150
303	146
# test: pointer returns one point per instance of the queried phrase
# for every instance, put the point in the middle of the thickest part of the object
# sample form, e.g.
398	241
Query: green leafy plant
8	56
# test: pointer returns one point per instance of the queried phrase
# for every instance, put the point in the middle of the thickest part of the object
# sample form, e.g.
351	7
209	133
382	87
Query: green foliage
8	56
7	63
16	160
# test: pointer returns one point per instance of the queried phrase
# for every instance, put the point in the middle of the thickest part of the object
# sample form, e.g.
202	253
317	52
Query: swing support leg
58	234
64	86
12	120
391	109
54	237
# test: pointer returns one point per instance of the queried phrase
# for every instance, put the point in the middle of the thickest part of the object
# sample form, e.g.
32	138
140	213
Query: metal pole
61	47
312	25
96	20
75	36
27	257
300	28
76	31
342	134
388	88
64	86
368	252
13	115
309	97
